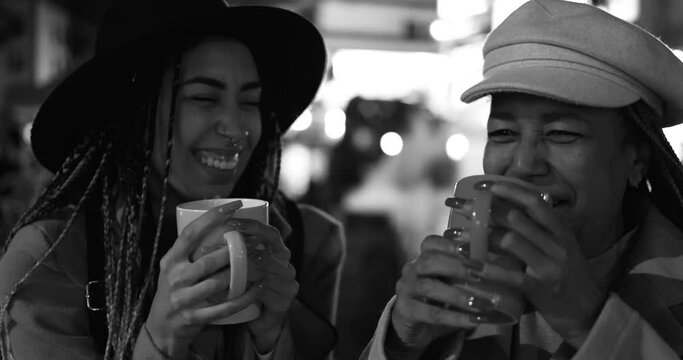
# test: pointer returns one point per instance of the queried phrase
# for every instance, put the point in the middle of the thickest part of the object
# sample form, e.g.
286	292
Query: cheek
495	160
189	126
598	177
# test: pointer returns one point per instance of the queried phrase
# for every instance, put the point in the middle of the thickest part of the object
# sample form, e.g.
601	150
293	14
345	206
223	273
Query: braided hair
664	177
109	173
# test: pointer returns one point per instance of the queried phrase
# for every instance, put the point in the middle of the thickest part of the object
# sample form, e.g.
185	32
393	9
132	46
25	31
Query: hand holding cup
178	314
442	290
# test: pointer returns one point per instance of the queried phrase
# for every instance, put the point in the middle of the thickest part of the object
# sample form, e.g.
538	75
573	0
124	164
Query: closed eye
502	136
563	136
203	99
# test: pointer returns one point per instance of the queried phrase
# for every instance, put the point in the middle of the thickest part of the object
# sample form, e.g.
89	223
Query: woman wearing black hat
578	102
184	100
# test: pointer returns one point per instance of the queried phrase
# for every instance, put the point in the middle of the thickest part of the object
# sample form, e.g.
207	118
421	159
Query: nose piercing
547	198
230	134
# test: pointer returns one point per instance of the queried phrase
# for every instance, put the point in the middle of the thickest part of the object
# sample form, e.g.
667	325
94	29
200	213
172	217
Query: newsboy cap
580	54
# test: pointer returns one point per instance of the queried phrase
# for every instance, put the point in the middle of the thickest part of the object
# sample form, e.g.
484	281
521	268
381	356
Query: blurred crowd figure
385	202
407	188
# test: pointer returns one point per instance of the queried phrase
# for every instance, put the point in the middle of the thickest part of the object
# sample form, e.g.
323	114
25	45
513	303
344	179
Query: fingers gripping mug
470	222
251	209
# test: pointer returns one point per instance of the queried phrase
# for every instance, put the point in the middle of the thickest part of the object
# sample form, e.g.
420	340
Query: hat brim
557	83
288	50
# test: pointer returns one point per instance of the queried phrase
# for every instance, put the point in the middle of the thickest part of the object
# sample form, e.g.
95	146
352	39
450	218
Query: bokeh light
457	146
335	123
391	143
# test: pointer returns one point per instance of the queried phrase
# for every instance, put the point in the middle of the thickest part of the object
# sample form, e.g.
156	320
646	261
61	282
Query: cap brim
289	52
562	84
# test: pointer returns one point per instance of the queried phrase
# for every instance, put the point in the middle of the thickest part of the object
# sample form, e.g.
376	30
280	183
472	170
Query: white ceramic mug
251	209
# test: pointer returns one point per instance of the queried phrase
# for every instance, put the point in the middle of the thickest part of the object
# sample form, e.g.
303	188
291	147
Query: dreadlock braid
137	309
666	176
127	274
5	344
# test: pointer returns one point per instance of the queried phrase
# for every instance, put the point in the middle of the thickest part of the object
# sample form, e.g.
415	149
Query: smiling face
218	120
577	154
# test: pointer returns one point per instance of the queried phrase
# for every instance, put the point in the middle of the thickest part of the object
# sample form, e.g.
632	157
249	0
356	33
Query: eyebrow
547	117
501	115
252	85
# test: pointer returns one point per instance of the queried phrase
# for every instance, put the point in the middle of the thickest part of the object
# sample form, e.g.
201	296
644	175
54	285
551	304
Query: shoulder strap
95	293
295	241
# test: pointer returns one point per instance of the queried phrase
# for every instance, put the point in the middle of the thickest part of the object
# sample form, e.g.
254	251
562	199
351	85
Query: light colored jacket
641	319
48	318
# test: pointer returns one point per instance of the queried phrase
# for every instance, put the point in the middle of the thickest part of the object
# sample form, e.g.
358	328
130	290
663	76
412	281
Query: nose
228	121
528	160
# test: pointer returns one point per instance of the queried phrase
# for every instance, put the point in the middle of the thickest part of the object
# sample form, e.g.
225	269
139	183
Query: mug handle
238	263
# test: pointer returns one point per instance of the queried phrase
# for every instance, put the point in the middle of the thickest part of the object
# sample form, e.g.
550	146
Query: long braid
137	320
5	344
666	177
133	325
109	266
123	260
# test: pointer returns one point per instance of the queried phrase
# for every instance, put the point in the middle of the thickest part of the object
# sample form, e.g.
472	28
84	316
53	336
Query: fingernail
481	304
229	207
484	185
454	233
473	264
456	203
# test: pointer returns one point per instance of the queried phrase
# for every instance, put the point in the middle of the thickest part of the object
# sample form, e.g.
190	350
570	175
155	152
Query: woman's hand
179	310
557	281
428	304
277	278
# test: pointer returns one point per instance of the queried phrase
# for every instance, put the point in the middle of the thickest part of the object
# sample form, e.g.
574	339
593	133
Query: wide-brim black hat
287	48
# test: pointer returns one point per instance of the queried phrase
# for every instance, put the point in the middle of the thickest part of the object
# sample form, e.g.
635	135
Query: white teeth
218	161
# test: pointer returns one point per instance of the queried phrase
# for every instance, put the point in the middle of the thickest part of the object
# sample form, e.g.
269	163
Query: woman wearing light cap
578	102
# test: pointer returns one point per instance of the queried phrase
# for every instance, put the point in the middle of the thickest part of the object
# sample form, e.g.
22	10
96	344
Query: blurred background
380	148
